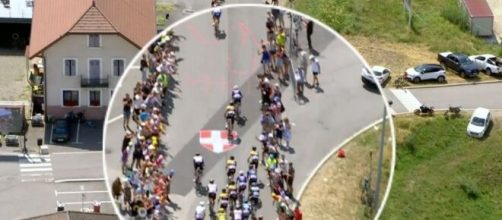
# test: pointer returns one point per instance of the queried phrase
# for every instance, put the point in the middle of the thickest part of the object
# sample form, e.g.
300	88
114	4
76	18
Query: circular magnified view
229	114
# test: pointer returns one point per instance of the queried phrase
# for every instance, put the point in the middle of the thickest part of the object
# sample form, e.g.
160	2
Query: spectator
127	101
316	70
310	30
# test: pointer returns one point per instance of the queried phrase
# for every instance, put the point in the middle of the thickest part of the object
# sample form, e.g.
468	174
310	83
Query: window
95	98
94	40
70	67
70	98
118	67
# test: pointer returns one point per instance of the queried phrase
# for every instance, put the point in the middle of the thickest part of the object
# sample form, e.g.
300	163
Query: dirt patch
335	192
400	56
13	86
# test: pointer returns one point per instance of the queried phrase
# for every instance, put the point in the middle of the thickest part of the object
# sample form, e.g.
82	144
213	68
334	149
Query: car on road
488	63
382	74
425	72
479	122
37	120
460	63
11	140
61	130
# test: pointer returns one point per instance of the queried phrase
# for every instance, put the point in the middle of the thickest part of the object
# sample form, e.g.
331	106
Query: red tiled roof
93	21
134	20
478	8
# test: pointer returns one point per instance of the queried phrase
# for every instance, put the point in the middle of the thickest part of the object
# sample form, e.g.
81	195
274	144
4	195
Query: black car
460	63
61	131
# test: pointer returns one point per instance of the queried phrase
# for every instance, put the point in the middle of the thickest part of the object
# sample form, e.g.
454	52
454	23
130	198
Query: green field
442	173
440	25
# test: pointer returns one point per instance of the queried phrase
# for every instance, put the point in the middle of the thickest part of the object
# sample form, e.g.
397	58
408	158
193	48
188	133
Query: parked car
425	72
37	120
382	74
61	131
479	122
459	63
11	140
488	63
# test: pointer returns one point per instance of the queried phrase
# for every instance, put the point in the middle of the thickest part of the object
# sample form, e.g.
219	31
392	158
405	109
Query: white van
480	120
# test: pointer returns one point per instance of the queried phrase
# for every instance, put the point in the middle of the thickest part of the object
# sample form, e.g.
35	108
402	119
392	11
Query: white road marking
78	133
78	152
80	192
88	202
28	165
35	168
50	140
409	101
114	119
135	67
44	169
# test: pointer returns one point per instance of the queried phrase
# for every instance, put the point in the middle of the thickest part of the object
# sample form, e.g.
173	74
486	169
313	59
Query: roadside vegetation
442	173
437	26
161	10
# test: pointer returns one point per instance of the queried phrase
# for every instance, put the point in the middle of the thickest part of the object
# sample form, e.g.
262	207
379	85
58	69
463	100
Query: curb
331	153
451	85
79	180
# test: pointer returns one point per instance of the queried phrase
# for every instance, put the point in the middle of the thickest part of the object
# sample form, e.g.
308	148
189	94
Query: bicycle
198	175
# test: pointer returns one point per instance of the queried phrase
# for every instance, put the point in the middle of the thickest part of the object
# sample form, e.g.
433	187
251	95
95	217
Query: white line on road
27	165
35	174
37	180
45	169
80	180
78	133
409	101
89	202
114	119
80	192
78	152
50	140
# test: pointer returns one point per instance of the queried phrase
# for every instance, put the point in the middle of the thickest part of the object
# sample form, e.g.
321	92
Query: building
480	17
15	21
84	46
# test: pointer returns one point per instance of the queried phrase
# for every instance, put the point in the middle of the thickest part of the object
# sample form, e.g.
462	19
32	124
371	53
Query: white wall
75	46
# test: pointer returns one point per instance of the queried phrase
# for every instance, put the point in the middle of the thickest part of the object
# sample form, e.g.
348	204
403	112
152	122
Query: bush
456	15
470	187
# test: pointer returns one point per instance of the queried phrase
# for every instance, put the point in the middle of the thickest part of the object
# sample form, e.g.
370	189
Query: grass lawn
382	35
442	173
334	192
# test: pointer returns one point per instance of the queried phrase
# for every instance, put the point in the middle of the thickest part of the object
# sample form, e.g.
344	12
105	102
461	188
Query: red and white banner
217	141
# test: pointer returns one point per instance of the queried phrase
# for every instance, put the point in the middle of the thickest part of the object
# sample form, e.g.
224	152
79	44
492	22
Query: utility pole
380	159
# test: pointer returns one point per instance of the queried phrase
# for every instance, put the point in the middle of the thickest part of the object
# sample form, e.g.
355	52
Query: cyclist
198	166
231	166
212	190
237	213
221	215
230	115
253	158
246	209
232	191
254	194
216	12
200	211
223	199
252	175
237	98
241	182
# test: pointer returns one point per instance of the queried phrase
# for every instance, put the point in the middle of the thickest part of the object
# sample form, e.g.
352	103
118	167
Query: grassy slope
386	19
435	162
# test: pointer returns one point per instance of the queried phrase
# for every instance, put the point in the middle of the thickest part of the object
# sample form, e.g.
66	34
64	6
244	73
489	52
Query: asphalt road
28	184
211	66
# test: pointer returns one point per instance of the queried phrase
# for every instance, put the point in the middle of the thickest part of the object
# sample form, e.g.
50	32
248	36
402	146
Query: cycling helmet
232	158
241	172
236	87
211	181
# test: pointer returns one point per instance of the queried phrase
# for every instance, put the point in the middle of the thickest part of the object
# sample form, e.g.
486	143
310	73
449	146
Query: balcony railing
87	82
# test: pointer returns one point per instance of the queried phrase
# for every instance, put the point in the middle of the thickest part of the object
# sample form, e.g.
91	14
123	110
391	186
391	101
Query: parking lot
82	136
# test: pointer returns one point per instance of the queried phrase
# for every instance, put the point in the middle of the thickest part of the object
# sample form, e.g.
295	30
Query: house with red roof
84	47
480	17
